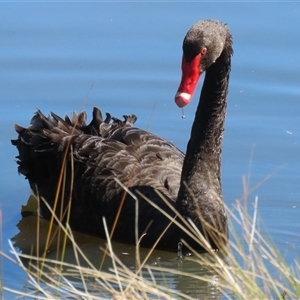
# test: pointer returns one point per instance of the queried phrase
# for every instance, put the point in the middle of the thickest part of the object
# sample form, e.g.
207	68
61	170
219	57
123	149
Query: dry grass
252	269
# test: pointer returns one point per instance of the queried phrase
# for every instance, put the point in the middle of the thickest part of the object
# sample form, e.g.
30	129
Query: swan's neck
200	179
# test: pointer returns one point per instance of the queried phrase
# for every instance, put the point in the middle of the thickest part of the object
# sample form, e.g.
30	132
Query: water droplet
179	250
182	116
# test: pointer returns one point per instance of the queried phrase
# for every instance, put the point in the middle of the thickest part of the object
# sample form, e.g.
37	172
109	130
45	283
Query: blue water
125	58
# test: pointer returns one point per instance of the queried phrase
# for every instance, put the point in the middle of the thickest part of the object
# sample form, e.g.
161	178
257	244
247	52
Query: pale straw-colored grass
252	269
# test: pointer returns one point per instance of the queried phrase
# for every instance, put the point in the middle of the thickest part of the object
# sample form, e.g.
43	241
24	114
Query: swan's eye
203	51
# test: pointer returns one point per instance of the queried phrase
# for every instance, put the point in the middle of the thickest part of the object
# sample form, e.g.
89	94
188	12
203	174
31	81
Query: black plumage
106	152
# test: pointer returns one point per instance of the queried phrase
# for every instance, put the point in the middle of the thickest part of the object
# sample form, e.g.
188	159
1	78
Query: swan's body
106	153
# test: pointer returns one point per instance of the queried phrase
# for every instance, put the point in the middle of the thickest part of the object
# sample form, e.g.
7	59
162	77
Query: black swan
106	152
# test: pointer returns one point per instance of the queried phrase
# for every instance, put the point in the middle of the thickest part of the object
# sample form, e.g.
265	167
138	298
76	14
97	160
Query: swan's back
104	153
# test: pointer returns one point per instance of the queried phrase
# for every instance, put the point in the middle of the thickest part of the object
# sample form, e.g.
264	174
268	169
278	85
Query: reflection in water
162	267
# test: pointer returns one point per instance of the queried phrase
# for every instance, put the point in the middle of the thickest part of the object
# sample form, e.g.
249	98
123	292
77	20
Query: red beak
190	76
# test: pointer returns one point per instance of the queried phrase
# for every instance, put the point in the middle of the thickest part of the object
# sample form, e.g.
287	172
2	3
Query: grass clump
252	268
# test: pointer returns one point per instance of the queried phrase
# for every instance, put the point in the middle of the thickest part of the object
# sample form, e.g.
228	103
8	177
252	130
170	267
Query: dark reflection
31	241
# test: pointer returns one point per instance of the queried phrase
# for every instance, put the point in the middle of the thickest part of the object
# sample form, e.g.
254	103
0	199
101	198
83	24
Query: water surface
125	58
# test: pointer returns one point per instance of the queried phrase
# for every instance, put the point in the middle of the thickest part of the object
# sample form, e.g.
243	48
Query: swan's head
202	46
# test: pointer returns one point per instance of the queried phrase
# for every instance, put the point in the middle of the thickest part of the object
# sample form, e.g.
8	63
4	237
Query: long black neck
200	179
